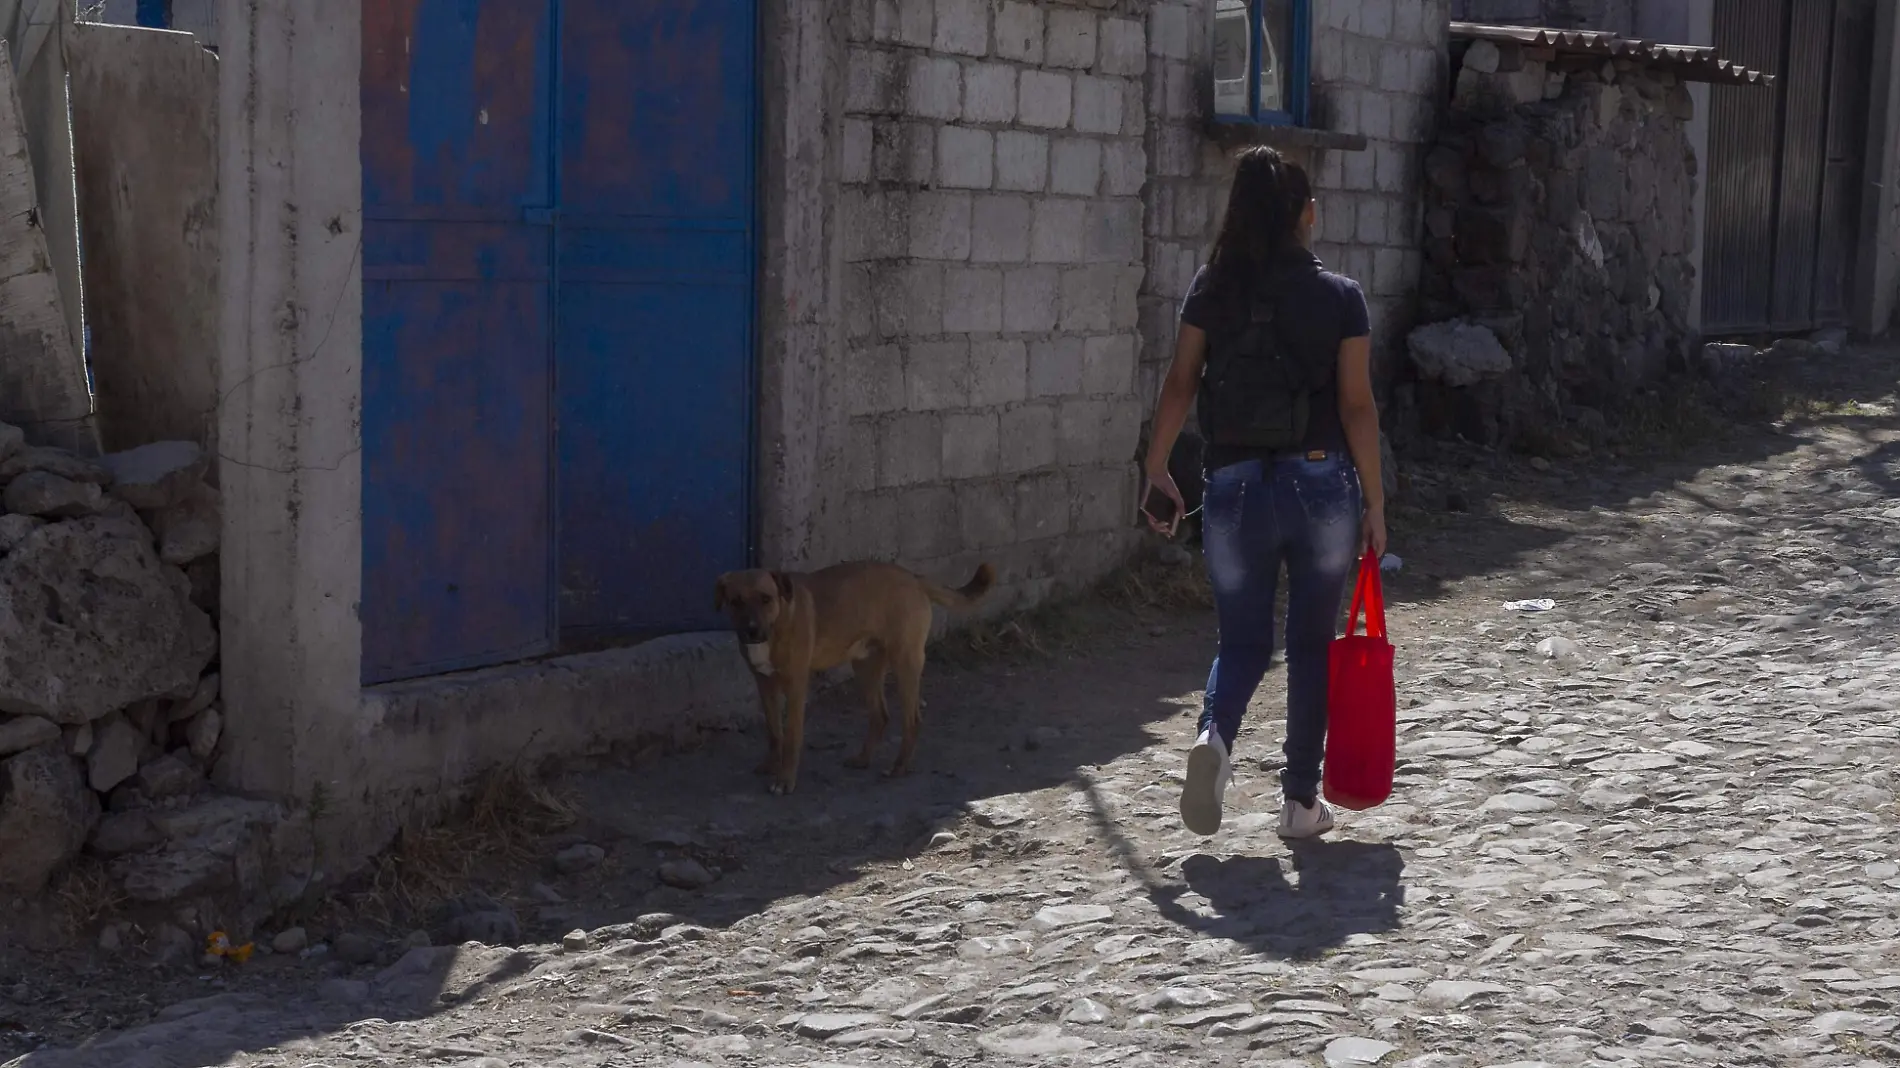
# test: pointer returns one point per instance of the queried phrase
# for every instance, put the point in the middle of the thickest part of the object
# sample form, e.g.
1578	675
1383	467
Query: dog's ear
719	594
784	585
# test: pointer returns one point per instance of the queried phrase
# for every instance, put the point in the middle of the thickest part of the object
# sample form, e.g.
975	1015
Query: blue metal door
458	532
557	305
654	353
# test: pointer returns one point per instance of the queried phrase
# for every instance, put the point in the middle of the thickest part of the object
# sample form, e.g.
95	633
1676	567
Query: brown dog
876	616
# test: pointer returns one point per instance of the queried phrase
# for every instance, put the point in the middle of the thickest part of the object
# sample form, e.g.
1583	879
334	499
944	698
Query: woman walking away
1277	349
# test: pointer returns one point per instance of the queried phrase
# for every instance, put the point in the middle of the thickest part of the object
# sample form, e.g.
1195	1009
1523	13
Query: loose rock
26	732
203	734
169	776
139	636
115	753
189	529
583	856
1457	353
53	462
46	813
125	832
48	496
15	528
201	698
1351	1050
351	948
685	874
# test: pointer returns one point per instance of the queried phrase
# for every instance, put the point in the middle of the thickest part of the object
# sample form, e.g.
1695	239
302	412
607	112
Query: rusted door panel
1842	182
458	289
1744	132
655	340
1803	160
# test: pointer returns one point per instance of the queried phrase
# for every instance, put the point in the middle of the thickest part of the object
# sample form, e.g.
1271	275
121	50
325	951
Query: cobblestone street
1653	825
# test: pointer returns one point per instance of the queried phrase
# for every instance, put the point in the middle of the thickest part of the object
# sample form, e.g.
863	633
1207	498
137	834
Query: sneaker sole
1200	798
1293	836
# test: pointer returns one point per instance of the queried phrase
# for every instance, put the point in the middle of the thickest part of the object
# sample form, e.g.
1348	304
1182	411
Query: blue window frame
156	14
1263	61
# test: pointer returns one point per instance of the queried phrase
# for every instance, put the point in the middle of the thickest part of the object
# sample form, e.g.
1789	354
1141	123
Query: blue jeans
1256	516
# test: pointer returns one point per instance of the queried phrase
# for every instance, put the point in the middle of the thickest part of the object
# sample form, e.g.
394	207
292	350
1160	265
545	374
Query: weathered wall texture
290	375
36	33
146	143
1378	72
1562	218
992	163
42	375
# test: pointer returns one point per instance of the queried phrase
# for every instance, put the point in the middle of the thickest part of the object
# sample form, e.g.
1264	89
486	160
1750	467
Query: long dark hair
1269	194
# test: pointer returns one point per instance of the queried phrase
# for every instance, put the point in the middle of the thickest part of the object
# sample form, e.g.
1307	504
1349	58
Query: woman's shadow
1334	890
1297	906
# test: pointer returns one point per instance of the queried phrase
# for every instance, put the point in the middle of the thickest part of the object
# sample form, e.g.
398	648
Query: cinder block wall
993	162
1379	70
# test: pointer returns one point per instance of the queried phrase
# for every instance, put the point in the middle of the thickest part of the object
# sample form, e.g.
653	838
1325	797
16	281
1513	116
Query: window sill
1240	133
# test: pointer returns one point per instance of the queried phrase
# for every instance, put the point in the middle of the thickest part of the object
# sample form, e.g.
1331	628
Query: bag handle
1369	595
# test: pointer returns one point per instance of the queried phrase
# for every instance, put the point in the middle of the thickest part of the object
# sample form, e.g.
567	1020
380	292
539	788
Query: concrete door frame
299	724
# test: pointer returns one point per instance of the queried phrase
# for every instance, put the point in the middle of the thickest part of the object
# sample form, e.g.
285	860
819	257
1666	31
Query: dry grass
1138	592
504	824
85	897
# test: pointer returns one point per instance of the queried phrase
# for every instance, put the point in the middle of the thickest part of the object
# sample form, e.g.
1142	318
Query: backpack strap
1261	334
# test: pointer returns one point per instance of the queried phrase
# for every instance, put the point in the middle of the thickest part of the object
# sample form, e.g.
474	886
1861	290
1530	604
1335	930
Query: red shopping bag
1361	703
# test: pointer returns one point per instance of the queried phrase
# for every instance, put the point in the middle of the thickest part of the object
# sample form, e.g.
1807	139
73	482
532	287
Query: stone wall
992	166
110	703
1562	221
1378	73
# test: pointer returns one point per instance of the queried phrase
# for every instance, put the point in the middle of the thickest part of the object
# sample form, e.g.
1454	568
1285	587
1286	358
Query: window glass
1231	61
1276	47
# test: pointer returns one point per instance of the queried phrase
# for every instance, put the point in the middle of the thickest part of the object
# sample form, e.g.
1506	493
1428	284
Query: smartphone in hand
1161	508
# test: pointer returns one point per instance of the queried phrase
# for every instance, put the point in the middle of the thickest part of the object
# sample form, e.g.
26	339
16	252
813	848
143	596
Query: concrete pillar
290	378
801	417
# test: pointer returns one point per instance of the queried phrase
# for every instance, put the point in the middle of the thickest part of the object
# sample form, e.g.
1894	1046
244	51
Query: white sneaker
1299	821
1208	773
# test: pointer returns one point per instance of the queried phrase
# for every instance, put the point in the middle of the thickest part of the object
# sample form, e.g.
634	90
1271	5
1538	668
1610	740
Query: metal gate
1785	170
557	322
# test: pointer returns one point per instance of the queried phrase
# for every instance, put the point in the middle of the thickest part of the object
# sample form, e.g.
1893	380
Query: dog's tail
971	593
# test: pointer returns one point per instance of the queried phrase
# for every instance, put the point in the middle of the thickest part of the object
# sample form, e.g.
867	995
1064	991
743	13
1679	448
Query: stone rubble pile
110	717
1560	223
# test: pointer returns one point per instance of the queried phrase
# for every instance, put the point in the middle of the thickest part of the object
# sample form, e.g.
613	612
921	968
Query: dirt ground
1653	825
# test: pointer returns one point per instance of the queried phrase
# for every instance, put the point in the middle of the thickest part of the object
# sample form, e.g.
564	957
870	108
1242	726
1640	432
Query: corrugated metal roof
1689	62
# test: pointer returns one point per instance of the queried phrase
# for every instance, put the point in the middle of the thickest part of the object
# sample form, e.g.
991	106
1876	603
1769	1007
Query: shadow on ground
990	733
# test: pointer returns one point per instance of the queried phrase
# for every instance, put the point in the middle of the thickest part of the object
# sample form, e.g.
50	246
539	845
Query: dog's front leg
771	702
793	744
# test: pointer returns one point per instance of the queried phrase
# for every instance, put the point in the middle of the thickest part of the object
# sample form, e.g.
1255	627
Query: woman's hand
1372	530
1159	480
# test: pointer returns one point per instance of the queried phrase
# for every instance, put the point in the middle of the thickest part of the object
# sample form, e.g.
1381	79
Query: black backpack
1256	388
